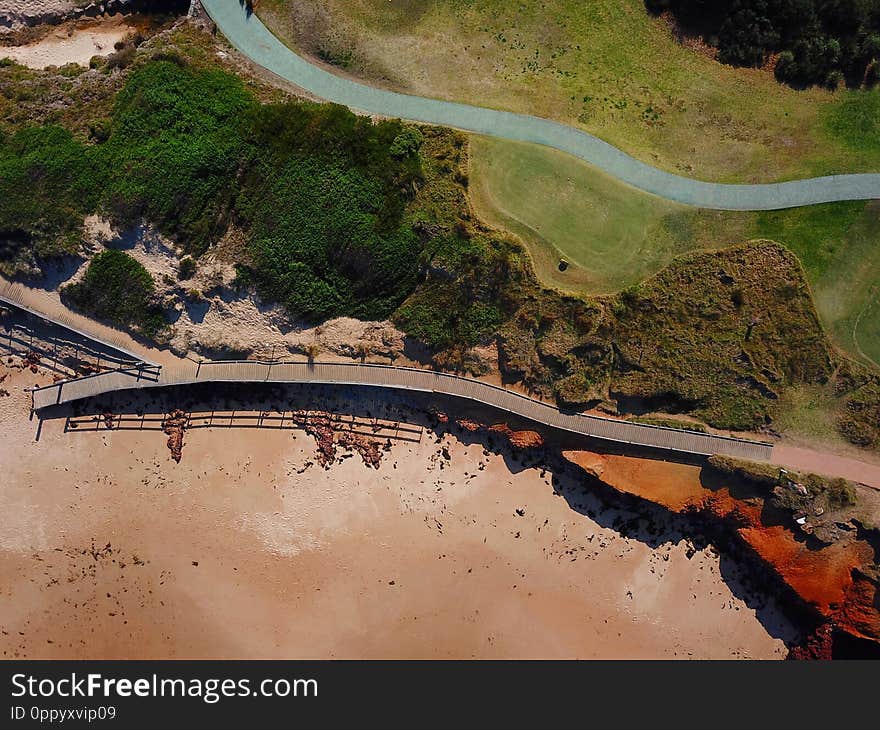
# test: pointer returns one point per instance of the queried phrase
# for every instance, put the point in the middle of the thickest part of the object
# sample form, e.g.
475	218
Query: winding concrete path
248	34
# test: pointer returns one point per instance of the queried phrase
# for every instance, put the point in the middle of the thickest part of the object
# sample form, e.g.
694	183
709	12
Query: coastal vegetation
638	81
321	192
341	215
612	236
117	288
609	67
817	41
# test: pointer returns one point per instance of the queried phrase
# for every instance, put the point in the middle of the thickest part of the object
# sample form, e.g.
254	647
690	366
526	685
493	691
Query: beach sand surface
109	549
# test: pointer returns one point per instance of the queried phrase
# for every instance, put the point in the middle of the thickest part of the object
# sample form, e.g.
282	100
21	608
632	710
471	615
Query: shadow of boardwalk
413	417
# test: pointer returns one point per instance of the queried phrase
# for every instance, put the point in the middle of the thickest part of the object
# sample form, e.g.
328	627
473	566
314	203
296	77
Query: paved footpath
248	34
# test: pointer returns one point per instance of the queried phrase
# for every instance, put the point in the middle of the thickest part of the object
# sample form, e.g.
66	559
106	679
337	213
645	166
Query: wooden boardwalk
383	376
401	378
22	298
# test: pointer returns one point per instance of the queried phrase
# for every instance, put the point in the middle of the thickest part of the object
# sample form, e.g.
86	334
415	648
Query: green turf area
607	66
613	236
117	288
839	247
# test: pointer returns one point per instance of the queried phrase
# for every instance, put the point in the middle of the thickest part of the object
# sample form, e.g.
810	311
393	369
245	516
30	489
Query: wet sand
110	549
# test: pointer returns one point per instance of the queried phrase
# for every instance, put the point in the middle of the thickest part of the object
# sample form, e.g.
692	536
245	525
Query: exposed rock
31	361
470	426
818	645
320	426
17	14
831	581
367	448
520	441
175	426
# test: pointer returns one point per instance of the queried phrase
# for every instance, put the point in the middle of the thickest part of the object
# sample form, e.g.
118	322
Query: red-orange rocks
521	440
367	448
518	440
836	581
175	426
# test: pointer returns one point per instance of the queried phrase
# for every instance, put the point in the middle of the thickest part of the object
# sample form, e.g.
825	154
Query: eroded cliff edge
811	538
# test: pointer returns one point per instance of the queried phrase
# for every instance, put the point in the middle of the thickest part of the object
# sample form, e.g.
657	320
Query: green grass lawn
614	236
611	235
839	247
606	66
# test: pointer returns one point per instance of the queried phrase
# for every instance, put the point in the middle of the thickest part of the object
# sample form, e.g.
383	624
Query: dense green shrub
48	182
118	288
821	41
320	193
473	288
174	150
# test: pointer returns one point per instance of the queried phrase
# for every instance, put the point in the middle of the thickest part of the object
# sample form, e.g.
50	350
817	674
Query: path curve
248	34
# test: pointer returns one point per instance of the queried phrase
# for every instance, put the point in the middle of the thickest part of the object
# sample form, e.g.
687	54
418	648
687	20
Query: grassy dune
606	66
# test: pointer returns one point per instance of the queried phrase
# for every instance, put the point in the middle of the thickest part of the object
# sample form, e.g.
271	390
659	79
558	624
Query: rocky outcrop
323	428
524	442
518	440
819	645
834	583
175	426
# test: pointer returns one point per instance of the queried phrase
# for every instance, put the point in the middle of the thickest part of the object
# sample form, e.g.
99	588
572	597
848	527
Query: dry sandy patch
74	42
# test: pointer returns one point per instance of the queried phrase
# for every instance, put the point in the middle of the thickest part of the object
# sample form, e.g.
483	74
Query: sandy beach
249	548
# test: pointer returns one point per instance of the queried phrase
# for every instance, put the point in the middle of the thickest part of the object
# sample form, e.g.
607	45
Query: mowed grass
839	247
606	66
611	235
614	236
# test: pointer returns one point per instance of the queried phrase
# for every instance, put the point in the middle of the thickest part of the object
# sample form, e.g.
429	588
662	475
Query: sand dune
70	43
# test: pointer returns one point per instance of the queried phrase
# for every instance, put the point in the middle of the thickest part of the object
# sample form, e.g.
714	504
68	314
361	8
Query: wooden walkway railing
23	299
148	375
388	376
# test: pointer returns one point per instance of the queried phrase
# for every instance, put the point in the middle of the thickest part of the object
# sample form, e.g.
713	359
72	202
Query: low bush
119	289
